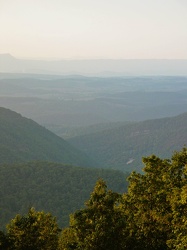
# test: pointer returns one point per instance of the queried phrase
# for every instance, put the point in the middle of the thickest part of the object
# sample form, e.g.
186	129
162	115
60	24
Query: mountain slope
55	188
22	140
123	147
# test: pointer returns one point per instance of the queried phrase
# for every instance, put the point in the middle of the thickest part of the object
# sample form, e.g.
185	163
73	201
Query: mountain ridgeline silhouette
23	140
102	67
124	146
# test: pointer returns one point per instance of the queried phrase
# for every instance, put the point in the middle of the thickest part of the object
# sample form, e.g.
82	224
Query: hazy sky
94	29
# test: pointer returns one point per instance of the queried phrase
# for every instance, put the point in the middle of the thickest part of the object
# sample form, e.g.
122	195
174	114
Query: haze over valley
93	125
115	121
94	67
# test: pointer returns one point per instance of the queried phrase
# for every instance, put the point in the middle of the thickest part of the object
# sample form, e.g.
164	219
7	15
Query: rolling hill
76	101
29	175
23	140
123	147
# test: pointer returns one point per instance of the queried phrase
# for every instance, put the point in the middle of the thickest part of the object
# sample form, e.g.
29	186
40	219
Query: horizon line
90	59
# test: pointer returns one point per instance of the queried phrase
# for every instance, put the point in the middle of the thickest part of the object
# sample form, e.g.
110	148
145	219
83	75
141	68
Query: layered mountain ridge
23	140
123	147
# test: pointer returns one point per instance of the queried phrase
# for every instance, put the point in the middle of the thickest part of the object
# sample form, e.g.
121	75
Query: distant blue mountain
99	67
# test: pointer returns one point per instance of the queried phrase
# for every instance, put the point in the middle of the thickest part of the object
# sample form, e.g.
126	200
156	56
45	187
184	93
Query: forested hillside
150	215
123	147
59	189
22	140
67	132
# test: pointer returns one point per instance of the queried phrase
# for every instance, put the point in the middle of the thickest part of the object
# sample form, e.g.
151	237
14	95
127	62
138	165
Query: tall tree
4	242
146	206
34	231
177	178
98	226
156	204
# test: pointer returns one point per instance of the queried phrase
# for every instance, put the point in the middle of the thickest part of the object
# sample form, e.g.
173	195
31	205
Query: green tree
34	231
68	239
4	242
97	227
156	204
178	199
147	209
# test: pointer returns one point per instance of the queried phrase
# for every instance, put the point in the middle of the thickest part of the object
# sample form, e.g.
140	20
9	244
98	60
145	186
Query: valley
60	102
114	121
59	134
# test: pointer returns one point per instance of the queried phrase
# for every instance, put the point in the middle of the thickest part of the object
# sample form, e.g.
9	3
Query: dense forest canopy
58	188
152	214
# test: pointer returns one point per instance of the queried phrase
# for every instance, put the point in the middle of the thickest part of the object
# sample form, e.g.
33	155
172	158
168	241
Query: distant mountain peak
7	56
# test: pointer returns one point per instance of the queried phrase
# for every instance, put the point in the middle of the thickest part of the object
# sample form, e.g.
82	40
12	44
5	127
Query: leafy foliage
152	214
98	226
4	241
147	198
36	230
158	203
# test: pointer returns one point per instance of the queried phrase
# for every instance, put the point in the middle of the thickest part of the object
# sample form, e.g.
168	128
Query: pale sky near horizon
86	29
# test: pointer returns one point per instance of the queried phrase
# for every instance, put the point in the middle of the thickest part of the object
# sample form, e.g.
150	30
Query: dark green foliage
59	189
152	214
123	147
99	225
4	241
178	199
147	198
23	140
33	231
158	201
